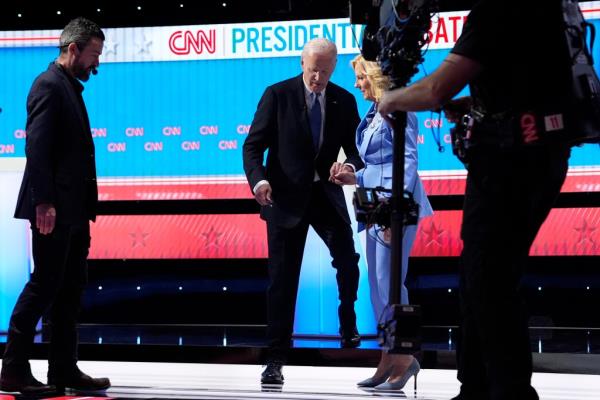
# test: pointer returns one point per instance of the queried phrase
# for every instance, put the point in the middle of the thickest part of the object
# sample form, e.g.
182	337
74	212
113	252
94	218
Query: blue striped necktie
315	120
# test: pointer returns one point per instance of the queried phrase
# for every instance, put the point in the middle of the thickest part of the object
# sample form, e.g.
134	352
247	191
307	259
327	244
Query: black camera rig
372	207
577	123
396	32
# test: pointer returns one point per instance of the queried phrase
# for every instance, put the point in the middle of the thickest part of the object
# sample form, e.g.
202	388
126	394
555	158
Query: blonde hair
379	82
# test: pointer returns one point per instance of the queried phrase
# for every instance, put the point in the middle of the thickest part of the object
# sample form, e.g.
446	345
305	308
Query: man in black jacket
518	89
58	196
303	122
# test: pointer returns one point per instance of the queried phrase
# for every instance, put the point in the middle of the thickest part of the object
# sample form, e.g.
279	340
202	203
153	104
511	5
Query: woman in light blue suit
374	139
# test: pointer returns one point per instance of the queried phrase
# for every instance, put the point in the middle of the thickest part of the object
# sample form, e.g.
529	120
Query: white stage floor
232	381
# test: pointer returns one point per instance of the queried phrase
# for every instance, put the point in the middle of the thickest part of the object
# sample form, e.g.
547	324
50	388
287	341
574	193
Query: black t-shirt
521	46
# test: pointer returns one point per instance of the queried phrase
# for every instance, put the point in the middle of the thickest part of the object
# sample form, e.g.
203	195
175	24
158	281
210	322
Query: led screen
567	232
171	106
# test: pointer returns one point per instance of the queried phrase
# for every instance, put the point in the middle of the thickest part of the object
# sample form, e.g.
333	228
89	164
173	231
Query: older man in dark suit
303	122
58	196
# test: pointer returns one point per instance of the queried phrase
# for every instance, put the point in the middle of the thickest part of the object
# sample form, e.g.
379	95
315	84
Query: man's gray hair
321	46
79	31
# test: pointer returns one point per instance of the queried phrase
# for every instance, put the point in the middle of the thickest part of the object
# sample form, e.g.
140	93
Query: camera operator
512	181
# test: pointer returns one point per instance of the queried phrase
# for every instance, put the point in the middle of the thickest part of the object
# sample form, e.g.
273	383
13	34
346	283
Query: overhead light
58	12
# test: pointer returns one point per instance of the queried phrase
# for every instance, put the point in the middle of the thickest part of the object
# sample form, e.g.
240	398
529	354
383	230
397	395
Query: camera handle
401	331
398	122
396	43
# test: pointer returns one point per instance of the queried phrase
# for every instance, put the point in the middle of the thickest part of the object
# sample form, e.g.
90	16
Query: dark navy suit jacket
282	127
60	166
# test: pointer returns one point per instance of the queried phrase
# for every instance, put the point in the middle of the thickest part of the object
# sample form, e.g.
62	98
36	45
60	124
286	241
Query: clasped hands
339	174
342	174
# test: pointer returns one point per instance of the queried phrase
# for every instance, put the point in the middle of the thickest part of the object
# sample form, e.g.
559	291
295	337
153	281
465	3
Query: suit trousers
286	248
508	196
55	286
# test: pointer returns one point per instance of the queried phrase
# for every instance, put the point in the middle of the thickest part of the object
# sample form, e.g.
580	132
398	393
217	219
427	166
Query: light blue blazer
374	139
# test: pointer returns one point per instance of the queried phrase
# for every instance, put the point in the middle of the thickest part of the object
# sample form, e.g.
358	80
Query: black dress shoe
350	338
77	381
272	374
28	386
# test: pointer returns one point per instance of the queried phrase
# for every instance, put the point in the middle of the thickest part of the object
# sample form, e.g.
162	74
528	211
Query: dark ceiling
41	14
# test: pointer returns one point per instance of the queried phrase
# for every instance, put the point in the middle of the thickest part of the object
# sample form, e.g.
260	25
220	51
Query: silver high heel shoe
372	381
413	370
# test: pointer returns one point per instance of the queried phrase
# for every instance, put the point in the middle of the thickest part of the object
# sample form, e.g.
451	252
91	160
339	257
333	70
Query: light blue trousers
378	264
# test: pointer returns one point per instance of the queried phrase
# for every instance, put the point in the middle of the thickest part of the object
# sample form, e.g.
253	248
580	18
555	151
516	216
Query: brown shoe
28	385
78	381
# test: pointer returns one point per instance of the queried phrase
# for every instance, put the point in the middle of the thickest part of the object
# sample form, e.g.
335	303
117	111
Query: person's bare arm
433	91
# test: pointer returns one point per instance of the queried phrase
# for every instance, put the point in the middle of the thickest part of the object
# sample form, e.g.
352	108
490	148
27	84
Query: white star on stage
110	47
144	47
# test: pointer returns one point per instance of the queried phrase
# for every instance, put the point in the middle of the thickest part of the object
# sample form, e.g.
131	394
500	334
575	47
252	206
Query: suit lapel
368	132
74	101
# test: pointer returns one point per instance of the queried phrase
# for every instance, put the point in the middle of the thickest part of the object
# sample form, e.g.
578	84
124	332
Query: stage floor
233	381
563	351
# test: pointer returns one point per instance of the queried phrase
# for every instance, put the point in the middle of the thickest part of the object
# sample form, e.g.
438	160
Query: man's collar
75	82
308	92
